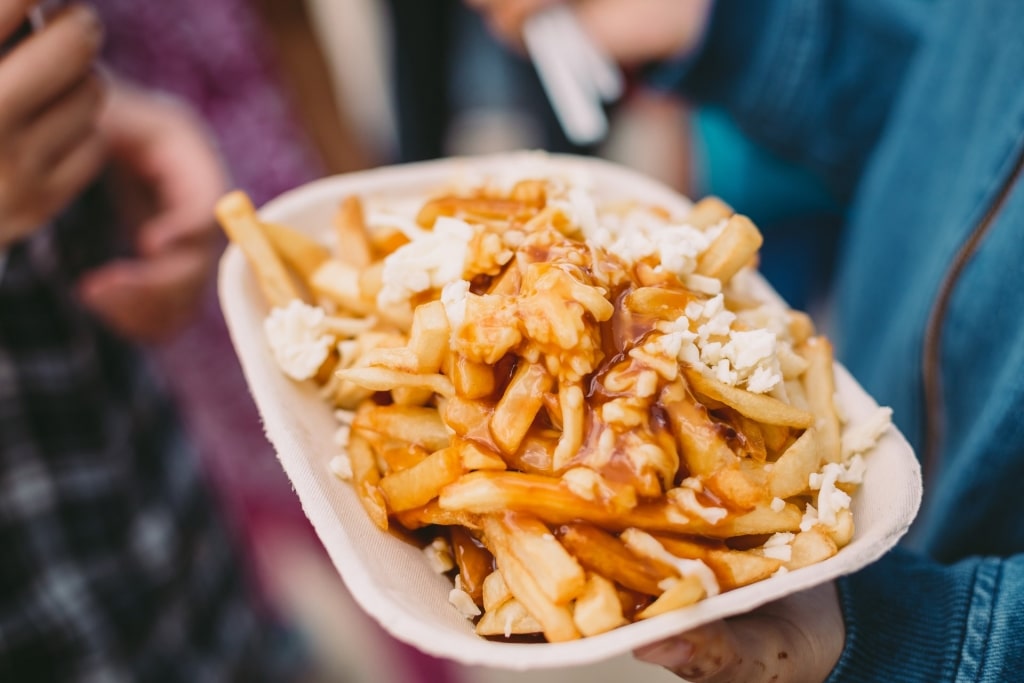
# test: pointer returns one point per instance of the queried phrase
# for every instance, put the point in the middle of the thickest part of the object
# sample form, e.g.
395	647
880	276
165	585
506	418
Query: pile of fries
584	428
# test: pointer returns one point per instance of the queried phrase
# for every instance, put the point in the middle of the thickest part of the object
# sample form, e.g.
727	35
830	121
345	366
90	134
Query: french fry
476	457
433	515
759	407
339	282
604	554
682	592
709	211
237	217
731	250
508	619
385	379
570	403
418	425
597	609
558	575
418	485
472	380
366	479
352	234
495	592
555	620
703	448
790	475
303	254
401	455
811	547
474	561
820	387
517	409
732	568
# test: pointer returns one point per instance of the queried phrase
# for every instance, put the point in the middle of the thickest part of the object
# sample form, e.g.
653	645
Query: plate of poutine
542	410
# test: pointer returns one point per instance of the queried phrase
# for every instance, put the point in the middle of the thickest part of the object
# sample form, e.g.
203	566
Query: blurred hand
631	31
169	176
796	640
50	100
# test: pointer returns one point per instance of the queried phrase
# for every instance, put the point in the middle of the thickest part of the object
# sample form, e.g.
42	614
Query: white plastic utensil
576	74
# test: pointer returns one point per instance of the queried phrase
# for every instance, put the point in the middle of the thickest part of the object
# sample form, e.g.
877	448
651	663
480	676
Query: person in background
913	114
116	563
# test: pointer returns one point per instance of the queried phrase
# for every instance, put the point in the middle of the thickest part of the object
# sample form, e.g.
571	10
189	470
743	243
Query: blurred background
342	85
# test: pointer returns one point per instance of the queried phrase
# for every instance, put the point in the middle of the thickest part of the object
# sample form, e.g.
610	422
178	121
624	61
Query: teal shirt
913	113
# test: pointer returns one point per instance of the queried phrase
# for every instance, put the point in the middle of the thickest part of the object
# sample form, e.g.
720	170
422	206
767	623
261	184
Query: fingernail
669	653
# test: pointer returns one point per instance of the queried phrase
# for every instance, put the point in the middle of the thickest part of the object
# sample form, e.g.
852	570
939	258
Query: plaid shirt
113	563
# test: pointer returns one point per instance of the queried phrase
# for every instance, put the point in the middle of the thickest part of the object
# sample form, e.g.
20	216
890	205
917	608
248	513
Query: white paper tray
389	578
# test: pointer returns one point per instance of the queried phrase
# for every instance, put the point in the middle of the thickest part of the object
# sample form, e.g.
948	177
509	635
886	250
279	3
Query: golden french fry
507	619
494	591
790	475
473	206
517	409
301	253
558	575
433	515
606	555
418	485
339	282
419	425
658	302
739	487
842	532
401	455
759	407
597	609
385	379
428	338
410	396
476	457
820	387
487	492
474	562
386	240
352	234
811	547
472	380
555	620
570	403
732	568
709	211
731	250
702	445
237	217
366	479
682	592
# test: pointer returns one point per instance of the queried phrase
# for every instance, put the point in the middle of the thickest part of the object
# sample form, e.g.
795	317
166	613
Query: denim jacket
914	113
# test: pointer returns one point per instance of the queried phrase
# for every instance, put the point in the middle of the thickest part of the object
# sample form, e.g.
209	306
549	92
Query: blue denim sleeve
913	620
813	81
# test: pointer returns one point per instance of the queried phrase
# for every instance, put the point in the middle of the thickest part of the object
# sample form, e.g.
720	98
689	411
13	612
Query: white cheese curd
779	547
439	556
464	603
453	298
298	339
862	436
430	261
777	505
341	467
830	499
809	519
687	501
